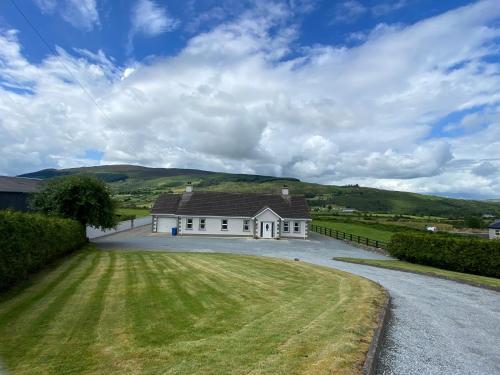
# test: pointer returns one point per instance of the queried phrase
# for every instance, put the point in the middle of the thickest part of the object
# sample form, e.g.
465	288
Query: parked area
130	312
437	326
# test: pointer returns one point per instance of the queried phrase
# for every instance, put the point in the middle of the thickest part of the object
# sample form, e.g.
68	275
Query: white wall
267	215
493	235
213	226
165	224
122	226
303	232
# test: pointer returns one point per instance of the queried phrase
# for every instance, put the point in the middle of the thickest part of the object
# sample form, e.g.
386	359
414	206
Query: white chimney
284	190
189	187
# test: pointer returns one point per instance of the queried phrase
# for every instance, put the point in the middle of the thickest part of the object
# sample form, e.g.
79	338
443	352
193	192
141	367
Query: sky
393	94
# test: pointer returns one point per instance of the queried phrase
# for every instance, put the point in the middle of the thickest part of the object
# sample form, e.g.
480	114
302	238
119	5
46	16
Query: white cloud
150	19
349	11
388	7
81	14
231	101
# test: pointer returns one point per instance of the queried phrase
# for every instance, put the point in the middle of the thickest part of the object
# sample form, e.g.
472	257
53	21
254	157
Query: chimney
284	190
189	187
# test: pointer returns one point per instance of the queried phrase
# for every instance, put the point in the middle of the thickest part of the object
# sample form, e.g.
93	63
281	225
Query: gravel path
437	326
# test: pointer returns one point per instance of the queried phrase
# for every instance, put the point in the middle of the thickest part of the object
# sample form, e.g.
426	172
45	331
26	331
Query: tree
82	198
473	222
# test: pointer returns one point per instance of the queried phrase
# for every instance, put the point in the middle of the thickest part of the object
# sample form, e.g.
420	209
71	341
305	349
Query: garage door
165	224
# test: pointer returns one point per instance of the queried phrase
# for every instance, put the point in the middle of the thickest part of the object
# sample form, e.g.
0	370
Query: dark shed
15	191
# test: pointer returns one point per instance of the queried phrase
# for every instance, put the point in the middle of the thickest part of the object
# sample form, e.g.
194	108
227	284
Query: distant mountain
137	186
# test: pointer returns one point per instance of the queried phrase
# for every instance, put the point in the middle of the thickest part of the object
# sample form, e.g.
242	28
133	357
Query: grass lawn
357	229
100	312
405	266
138	212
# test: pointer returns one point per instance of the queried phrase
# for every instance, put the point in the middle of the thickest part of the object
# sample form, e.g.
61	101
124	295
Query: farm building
231	214
15	191
494	230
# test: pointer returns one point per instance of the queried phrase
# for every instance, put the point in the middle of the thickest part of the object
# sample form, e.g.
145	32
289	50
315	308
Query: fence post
350	237
376	244
367	243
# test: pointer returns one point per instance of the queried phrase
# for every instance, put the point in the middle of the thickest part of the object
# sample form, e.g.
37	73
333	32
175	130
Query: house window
189	224
202	224
246	225
286	227
296	227
497	232
223	225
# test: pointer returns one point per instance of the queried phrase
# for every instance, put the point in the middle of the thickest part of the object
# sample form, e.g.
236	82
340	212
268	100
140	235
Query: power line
54	52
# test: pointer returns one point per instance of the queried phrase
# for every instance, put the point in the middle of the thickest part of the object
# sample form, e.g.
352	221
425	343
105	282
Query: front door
267	229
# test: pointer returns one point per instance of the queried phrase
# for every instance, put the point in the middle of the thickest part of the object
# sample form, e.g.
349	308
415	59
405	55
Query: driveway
437	326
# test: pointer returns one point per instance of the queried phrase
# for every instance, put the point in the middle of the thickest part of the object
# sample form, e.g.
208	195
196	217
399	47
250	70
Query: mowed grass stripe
83	331
73	329
23	338
10	308
150	313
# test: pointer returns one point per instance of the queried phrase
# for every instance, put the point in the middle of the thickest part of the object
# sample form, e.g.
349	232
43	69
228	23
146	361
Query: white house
231	214
494	230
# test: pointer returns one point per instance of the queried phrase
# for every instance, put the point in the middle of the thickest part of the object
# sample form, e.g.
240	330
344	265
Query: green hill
139	186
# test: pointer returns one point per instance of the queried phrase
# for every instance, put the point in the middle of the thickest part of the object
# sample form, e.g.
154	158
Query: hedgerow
29	241
461	254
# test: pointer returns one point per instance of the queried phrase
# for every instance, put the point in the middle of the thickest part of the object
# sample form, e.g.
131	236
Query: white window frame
246	225
189	223
226	224
497	232
296	227
203	222
286	226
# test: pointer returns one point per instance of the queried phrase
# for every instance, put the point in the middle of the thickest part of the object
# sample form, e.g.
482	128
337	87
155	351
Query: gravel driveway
437	326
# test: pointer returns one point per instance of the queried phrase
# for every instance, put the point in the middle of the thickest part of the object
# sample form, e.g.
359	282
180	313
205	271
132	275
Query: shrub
82	198
29	241
461	254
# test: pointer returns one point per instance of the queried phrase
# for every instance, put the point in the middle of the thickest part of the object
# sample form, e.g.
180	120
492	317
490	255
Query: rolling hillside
139	186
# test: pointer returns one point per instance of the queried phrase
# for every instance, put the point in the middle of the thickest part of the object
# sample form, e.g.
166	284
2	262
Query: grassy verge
488	282
138	212
146	313
357	229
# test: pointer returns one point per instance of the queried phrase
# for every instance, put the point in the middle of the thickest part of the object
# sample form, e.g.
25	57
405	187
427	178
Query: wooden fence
348	236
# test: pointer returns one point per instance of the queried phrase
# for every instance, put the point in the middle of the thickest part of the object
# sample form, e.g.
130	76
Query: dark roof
495	225
230	204
19	184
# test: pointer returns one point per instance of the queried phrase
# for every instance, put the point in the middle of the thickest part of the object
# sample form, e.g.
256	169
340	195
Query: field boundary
471	283
372	356
349	237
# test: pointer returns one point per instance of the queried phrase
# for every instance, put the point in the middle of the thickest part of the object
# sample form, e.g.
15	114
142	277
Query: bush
461	254
29	241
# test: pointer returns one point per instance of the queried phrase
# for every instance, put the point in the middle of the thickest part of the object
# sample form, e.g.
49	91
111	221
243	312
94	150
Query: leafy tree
473	222
85	199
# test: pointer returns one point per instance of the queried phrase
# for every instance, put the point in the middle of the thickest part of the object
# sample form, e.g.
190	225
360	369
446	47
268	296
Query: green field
138	212
417	268
102	312
357	229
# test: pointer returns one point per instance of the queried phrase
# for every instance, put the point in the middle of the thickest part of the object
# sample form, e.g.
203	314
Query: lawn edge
460	281
372	356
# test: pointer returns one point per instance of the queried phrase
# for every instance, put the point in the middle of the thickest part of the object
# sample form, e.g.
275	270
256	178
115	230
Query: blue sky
320	22
398	94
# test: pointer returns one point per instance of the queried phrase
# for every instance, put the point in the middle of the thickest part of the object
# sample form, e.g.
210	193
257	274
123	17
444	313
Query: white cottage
231	214
494	230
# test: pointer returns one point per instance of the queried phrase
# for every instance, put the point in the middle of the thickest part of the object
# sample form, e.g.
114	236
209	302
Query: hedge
461	254
29	241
